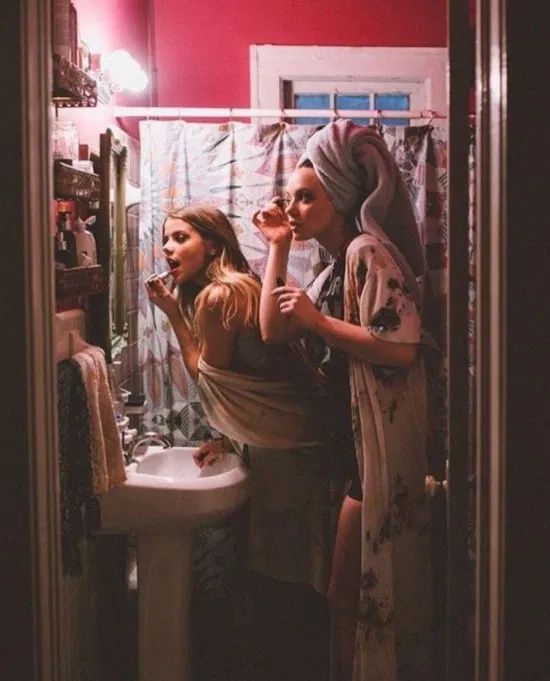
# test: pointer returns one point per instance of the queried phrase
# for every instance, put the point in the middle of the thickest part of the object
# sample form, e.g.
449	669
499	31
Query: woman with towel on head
263	398
360	322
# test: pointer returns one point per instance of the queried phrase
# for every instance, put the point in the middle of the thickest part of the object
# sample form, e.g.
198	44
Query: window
341	96
375	78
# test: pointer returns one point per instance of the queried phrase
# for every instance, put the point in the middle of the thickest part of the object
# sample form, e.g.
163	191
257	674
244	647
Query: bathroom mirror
193	161
200	154
180	165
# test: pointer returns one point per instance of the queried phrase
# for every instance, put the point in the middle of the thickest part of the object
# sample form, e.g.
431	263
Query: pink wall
106	25
202	47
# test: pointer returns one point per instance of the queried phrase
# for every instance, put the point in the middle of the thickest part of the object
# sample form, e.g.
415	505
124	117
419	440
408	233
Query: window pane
391	101
352	102
319	101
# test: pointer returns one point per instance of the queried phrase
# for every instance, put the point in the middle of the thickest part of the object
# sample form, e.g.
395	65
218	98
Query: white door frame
40	383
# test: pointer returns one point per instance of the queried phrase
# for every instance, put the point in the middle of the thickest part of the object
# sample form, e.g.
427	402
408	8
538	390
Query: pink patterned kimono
389	427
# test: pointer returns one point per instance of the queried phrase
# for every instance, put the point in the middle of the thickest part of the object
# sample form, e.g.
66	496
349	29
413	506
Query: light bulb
125	72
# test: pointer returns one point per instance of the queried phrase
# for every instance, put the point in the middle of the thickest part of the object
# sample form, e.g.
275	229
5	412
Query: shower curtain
238	167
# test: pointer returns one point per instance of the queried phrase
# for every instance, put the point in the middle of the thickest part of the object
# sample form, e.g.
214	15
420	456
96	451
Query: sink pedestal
164	564
164	499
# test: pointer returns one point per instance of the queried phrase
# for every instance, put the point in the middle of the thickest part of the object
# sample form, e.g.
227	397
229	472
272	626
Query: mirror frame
33	645
110	242
491	351
459	654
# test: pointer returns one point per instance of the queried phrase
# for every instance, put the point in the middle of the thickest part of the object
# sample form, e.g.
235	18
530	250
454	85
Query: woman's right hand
208	453
161	296
273	223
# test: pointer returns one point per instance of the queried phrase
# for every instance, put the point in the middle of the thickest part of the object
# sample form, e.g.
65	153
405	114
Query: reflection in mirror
265	560
264	156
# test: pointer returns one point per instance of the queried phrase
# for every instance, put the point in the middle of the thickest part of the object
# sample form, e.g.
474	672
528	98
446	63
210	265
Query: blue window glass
353	102
312	102
392	102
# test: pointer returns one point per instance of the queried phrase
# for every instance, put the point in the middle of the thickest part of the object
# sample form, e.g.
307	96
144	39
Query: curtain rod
227	112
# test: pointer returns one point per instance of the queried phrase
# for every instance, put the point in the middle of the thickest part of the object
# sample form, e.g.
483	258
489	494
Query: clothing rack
280	114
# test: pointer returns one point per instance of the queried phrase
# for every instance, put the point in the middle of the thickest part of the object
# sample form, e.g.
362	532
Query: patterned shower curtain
238	167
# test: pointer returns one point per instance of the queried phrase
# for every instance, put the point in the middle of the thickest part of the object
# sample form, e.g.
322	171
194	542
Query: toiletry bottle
65	240
85	242
62	256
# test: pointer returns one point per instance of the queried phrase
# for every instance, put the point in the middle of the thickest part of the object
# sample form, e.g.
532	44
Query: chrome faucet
150	438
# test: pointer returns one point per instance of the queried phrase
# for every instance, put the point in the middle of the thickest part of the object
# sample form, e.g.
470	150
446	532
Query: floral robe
394	637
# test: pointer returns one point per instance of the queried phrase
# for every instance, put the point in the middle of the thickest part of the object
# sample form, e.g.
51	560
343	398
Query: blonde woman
264	399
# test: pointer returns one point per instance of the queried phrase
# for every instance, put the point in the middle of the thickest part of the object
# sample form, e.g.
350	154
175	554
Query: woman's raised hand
161	296
272	222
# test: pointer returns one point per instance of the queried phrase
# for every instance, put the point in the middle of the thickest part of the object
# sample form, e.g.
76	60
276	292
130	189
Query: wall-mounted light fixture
124	72
116	72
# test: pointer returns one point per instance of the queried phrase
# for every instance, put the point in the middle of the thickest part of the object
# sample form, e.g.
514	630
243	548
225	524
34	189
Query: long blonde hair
232	284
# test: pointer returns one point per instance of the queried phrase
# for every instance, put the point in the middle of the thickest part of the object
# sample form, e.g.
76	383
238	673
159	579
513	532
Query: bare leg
343	593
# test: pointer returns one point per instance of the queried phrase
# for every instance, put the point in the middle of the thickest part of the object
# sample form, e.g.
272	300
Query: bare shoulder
215	294
221	291
219	299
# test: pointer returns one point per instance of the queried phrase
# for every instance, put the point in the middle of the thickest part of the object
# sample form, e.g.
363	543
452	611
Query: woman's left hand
294	302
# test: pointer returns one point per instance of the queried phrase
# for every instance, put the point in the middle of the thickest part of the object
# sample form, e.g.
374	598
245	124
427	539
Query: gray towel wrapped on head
362	180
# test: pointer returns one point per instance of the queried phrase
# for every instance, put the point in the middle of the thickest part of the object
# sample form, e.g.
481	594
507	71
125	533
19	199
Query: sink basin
167	491
165	497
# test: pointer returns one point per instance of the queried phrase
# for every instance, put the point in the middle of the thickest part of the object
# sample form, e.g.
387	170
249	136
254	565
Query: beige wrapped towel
253	411
294	494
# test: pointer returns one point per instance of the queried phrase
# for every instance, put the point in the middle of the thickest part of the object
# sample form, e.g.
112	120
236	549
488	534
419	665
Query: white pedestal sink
165	497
